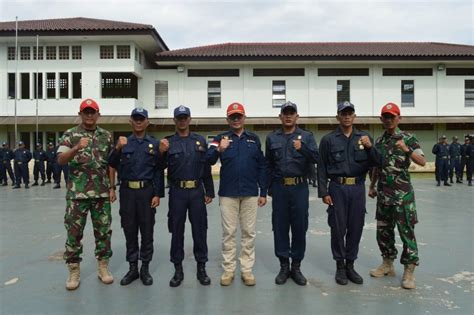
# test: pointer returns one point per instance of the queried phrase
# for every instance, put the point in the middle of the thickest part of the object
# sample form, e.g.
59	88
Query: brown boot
103	273
385	269
227	278
248	278
408	280
74	278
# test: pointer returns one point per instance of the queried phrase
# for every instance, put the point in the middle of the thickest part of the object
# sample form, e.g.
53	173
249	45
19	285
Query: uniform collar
145	138
355	131
297	131
397	132
82	129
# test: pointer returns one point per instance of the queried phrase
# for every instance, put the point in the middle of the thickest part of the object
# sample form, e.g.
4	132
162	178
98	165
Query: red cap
391	108
235	108
89	103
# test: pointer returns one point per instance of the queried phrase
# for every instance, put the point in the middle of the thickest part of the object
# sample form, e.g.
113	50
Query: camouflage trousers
75	221
404	217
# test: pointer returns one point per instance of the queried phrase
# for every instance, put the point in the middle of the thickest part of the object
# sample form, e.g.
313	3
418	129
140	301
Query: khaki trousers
235	210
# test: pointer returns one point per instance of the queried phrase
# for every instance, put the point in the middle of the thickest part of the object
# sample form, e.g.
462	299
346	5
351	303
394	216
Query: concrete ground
32	273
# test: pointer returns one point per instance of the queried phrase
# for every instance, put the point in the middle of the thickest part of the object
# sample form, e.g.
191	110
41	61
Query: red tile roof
72	24
321	51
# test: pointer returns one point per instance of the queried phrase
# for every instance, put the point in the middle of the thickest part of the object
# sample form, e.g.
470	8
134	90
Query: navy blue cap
344	105
181	110
139	112
288	105
443	137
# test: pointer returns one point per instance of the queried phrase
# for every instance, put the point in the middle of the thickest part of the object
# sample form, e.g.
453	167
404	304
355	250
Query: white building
123	65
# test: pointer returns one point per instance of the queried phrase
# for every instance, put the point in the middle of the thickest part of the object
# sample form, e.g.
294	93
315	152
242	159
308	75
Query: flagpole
16	81
37	70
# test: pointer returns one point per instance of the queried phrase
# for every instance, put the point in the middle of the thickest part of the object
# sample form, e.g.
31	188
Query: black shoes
341	274
26	186
296	274
56	186
284	273
446	183
35	183
202	275
131	275
438	184
178	276
145	276
352	274
42	184
16	186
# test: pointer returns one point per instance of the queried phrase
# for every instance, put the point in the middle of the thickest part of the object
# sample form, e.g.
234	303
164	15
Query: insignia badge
235	106
389	106
361	147
139	109
182	109
299	137
151	151
150	146
88	102
198	143
346	103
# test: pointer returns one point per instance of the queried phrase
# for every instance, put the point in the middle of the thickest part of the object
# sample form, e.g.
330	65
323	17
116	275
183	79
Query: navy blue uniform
58	169
441	151
469	156
465	158
455	160
50	160
139	162
244	168
187	165
344	163
7	156
40	157
21	159
288	170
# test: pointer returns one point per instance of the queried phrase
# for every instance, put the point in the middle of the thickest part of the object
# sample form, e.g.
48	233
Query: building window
278	72
407	72
459	71
123	51
278	93
469	93
11	86
63	85
25	53
213	93
161	94
343	72
343	89
119	85
76	52
38	86
50	85
50	52
25	86
11	53
40	53
408	93
76	85
107	52
213	72
63	52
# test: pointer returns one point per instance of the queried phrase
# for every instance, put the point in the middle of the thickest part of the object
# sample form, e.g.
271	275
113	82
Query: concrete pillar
57	85
69	85
43	85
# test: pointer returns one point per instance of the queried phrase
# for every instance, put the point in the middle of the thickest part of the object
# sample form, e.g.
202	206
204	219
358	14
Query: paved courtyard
32	272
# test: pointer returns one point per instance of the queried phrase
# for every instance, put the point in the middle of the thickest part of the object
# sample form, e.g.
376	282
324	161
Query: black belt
186	184
136	184
348	180
444	157
292	181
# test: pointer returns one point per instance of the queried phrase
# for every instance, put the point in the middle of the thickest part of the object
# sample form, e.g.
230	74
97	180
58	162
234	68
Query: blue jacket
243	166
140	159
186	160
22	155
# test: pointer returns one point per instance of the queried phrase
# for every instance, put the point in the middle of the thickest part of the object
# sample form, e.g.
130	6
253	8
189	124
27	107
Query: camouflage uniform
88	190
396	198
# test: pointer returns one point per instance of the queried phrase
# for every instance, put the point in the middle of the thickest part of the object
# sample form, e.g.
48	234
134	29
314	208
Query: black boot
16	186
446	183
145	274
469	183
35	183
42	183
284	273
48	181
438	183
296	274
458	180
57	186
131	275
352	274
202	275
27	186
178	275
341	276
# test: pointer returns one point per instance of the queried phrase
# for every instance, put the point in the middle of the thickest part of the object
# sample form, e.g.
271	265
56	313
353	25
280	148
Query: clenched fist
164	146
223	145
83	143
297	144
122	141
365	140
402	146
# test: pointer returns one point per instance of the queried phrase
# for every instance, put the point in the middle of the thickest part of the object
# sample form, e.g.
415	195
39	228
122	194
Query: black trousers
22	172
38	169
7	167
190	201
290	211
346	219
136	215
49	170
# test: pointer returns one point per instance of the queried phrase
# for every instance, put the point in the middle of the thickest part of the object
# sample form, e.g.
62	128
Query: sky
190	23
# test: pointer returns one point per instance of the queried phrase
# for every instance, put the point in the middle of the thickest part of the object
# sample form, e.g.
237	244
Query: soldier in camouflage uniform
395	196
86	148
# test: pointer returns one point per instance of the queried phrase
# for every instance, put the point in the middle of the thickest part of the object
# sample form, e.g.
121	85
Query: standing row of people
452	159
246	177
21	173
